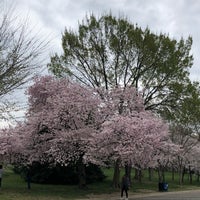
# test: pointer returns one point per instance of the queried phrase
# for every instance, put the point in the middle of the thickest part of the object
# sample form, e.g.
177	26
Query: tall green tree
188	114
109	51
184	129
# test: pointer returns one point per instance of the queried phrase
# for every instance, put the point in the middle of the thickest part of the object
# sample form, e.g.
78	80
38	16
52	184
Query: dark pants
126	191
29	182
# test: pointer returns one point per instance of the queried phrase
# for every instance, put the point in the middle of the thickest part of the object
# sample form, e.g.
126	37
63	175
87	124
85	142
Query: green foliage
187	113
46	174
15	188
109	51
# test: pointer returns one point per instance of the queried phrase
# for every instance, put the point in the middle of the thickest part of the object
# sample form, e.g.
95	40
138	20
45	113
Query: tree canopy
111	52
68	123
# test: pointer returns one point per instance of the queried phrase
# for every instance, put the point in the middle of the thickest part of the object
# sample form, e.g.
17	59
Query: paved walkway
182	195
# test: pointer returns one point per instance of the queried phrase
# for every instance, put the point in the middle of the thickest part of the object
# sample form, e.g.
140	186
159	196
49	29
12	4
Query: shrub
47	174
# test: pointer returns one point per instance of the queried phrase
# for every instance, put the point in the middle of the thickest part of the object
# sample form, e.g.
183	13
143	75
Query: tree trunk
160	178
81	175
137	174
197	174
181	176
150	170
190	175
128	172
173	173
116	176
140	175
163	174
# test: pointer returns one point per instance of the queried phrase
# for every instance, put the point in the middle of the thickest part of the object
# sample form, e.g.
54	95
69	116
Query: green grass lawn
15	188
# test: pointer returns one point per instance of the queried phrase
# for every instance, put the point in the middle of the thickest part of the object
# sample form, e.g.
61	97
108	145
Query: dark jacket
125	182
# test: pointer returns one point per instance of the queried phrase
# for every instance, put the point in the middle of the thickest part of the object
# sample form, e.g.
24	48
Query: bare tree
20	54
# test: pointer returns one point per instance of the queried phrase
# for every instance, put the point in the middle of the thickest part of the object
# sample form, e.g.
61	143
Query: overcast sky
178	18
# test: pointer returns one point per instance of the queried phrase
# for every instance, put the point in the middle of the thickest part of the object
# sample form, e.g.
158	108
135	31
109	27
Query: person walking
124	186
1	173
28	179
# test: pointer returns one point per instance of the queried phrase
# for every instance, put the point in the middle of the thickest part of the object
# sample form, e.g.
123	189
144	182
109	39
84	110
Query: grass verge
15	188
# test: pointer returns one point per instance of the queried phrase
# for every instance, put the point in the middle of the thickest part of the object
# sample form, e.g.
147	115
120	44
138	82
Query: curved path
182	195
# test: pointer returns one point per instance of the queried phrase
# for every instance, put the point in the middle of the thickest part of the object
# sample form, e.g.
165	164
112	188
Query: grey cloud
176	18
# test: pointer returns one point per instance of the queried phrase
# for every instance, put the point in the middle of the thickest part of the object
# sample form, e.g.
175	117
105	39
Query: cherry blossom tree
131	136
62	118
131	140
10	145
196	161
4	145
188	153
68	123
